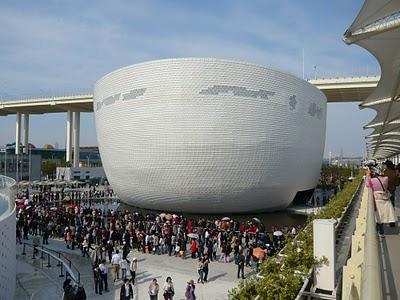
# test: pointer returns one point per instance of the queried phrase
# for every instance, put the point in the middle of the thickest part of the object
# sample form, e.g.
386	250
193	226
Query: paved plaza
390	262
35	281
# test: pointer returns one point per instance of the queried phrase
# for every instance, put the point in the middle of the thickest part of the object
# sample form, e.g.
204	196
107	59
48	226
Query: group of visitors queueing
383	179
110	238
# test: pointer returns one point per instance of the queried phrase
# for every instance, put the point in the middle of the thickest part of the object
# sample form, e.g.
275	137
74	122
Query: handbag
384	195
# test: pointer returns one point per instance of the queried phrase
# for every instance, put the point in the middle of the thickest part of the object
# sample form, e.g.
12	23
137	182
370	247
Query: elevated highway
349	89
354	89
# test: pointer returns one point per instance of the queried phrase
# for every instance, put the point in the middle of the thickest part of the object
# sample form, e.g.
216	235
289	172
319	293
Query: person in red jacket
193	248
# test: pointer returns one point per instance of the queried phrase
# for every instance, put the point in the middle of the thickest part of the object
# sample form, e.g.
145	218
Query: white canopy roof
377	29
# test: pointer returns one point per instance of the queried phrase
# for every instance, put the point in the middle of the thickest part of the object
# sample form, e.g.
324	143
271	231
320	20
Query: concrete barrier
362	273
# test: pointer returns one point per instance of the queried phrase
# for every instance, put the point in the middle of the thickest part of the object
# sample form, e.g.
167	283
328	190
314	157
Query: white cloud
60	47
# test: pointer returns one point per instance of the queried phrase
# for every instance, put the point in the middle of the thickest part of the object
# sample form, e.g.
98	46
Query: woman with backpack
189	294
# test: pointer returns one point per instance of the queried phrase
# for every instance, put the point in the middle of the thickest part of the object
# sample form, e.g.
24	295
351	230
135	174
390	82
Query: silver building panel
209	135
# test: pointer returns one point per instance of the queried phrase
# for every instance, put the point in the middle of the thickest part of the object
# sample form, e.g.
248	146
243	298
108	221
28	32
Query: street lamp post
16	169
29	163
5	162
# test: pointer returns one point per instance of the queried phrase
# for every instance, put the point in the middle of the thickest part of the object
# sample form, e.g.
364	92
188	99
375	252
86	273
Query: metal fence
340	236
48	257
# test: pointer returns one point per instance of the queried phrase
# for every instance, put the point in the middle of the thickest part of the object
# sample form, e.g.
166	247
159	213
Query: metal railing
340	223
67	269
308	278
362	274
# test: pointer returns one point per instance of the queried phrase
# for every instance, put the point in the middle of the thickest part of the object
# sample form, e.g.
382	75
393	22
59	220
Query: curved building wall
7	238
209	135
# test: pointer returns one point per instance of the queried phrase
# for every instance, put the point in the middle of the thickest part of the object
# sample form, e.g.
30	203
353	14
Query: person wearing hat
384	211
189	293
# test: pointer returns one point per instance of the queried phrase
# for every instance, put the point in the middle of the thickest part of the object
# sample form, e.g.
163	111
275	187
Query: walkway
40	282
390	249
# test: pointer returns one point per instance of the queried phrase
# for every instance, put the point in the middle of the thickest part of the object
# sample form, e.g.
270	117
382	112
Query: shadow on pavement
216	277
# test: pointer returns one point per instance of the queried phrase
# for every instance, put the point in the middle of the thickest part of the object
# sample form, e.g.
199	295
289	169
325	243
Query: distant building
28	167
89	158
343	161
82	174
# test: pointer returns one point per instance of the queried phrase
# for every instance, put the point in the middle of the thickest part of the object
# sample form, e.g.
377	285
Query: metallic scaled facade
209	135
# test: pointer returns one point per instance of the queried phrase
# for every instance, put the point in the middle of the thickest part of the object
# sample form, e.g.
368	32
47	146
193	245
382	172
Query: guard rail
362	274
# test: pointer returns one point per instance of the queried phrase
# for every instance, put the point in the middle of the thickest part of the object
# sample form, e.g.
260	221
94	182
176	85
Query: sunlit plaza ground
34	278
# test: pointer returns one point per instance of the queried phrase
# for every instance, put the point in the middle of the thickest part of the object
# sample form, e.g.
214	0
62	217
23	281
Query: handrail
371	285
61	254
67	267
362	273
346	209
339	221
338	224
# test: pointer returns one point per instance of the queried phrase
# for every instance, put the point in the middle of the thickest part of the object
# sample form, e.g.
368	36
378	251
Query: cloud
57	47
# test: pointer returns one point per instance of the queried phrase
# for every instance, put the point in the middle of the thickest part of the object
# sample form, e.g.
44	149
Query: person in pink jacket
384	211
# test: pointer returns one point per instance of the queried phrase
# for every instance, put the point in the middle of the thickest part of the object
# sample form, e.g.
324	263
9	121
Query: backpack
187	293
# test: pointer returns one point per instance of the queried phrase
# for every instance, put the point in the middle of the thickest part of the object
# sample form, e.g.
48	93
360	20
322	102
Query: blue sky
63	47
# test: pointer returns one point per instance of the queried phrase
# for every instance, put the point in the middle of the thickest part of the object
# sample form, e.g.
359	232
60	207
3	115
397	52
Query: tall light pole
5	162
16	169
29	163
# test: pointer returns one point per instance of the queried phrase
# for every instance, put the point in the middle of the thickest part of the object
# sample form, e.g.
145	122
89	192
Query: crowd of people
108	237
111	237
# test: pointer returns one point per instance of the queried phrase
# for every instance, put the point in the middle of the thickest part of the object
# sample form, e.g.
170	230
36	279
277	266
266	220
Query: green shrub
282	277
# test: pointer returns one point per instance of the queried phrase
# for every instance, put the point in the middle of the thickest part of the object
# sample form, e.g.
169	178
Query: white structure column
26	133
68	146
17	133
324	246
77	120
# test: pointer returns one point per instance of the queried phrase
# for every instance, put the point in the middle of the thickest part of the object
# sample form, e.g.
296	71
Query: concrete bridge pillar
77	119
68	146
17	132
26	133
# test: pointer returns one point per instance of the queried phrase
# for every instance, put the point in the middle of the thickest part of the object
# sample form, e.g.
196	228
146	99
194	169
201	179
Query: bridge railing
362	274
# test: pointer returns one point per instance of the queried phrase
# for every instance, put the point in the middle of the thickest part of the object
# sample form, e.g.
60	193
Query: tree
49	169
